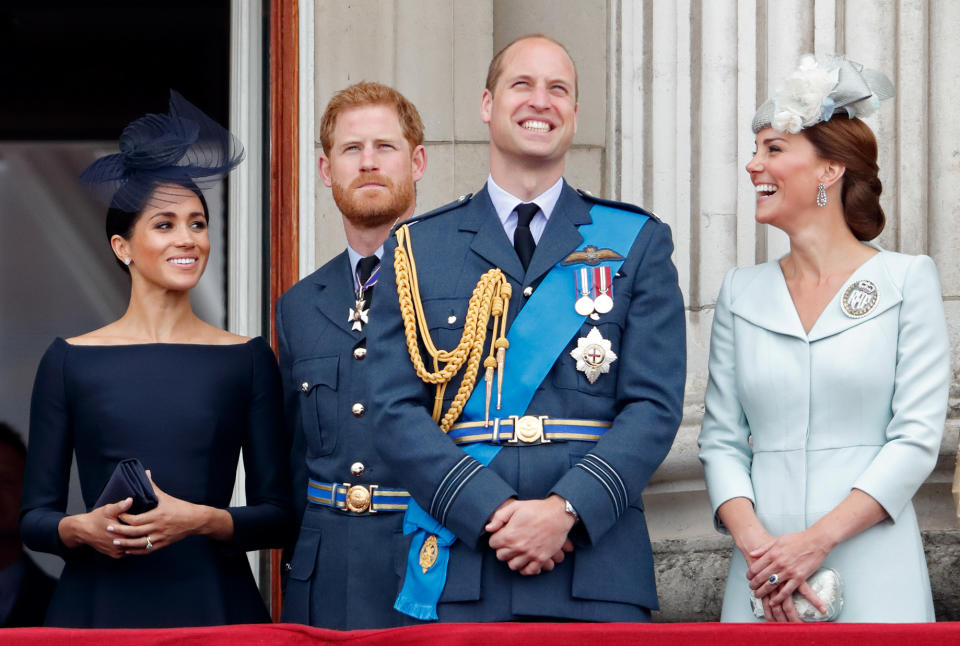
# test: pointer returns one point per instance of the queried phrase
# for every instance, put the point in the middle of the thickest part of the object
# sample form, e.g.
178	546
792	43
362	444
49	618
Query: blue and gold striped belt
359	499
529	429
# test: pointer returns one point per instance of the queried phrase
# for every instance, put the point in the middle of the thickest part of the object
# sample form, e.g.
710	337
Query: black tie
365	267
522	238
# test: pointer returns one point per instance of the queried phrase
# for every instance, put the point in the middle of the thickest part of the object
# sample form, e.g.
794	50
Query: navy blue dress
185	411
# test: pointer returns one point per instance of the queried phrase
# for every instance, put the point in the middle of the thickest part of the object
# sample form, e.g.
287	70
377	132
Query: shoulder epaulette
460	201
626	206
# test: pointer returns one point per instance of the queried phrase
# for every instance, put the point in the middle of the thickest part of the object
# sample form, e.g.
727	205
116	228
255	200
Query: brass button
304	387
357	468
359	354
452	319
358	410
527	291
287	567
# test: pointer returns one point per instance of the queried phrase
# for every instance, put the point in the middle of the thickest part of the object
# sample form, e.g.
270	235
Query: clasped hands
115	533
530	536
793	558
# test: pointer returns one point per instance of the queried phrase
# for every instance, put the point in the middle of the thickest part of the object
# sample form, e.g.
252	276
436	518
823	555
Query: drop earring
821	195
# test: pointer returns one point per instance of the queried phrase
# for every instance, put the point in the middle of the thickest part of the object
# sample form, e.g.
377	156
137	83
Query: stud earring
126	261
821	195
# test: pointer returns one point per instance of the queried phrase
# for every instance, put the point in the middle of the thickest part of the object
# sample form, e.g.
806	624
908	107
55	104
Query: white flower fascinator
819	89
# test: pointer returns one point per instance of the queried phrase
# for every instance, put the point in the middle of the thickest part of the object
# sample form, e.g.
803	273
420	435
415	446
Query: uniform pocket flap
463	574
315	371
445	313
305	554
620	567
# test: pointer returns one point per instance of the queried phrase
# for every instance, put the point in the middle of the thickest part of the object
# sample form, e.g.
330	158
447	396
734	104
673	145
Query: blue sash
537	336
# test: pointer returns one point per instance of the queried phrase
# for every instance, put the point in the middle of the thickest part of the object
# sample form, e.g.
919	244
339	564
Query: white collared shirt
506	206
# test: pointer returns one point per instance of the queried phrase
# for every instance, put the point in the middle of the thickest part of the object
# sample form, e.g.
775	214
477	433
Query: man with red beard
342	573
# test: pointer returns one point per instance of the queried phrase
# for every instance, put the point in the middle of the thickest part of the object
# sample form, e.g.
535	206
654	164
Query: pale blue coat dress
794	421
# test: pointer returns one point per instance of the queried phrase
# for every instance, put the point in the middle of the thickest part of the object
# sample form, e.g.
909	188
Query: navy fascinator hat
184	147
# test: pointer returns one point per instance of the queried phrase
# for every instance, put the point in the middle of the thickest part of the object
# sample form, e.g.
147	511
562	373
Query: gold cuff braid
491	297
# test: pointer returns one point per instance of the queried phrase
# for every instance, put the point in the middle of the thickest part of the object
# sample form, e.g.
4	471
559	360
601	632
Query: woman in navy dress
163	386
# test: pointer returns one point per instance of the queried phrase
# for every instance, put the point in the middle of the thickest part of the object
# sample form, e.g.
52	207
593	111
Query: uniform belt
357	498
528	429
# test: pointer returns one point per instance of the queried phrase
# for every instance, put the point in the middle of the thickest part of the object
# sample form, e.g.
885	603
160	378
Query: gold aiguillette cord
491	297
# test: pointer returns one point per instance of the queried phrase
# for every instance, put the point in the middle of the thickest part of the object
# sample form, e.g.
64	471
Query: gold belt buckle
528	430
359	499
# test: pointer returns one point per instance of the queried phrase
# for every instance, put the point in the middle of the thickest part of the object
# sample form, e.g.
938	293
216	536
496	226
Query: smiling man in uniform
528	378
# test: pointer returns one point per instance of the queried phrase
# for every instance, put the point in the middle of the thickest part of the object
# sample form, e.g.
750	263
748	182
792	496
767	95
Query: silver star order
593	355
358	316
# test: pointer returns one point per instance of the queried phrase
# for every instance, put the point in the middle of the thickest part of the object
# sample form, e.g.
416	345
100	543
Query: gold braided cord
491	290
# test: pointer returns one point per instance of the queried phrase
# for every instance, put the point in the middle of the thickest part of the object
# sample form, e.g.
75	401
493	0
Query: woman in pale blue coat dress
829	371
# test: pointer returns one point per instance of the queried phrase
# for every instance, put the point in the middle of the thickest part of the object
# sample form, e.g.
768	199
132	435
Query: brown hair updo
851	143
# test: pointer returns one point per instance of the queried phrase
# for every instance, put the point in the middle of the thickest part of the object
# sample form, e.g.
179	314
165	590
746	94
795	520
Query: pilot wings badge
590	255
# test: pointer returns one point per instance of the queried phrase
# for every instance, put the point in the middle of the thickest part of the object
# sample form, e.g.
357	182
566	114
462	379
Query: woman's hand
792	558
95	528
170	521
771	611
781	613
752	546
755	542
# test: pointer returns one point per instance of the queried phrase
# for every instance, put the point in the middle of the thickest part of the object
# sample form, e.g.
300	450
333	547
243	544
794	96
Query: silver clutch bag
826	584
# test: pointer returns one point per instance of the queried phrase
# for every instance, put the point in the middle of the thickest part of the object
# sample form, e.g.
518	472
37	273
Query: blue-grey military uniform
343	573
609	576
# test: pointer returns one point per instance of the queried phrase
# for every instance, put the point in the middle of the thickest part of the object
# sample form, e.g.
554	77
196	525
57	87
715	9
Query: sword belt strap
528	430
357	498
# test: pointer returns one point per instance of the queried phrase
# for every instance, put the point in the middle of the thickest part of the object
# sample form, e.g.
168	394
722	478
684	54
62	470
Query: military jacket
343	573
609	576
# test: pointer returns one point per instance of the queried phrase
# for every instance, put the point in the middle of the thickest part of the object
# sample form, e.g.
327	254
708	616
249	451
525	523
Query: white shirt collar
506	204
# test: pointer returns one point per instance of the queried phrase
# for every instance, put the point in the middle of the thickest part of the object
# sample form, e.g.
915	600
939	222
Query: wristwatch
568	507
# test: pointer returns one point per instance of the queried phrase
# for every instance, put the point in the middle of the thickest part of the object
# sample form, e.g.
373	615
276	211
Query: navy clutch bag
129	480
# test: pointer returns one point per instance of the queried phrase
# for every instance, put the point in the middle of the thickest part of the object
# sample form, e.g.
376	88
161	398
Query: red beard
380	208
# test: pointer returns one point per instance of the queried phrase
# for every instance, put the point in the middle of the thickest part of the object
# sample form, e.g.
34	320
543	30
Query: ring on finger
774	579
149	545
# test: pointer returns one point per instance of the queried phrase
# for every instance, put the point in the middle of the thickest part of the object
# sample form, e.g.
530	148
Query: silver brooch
859	299
593	355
